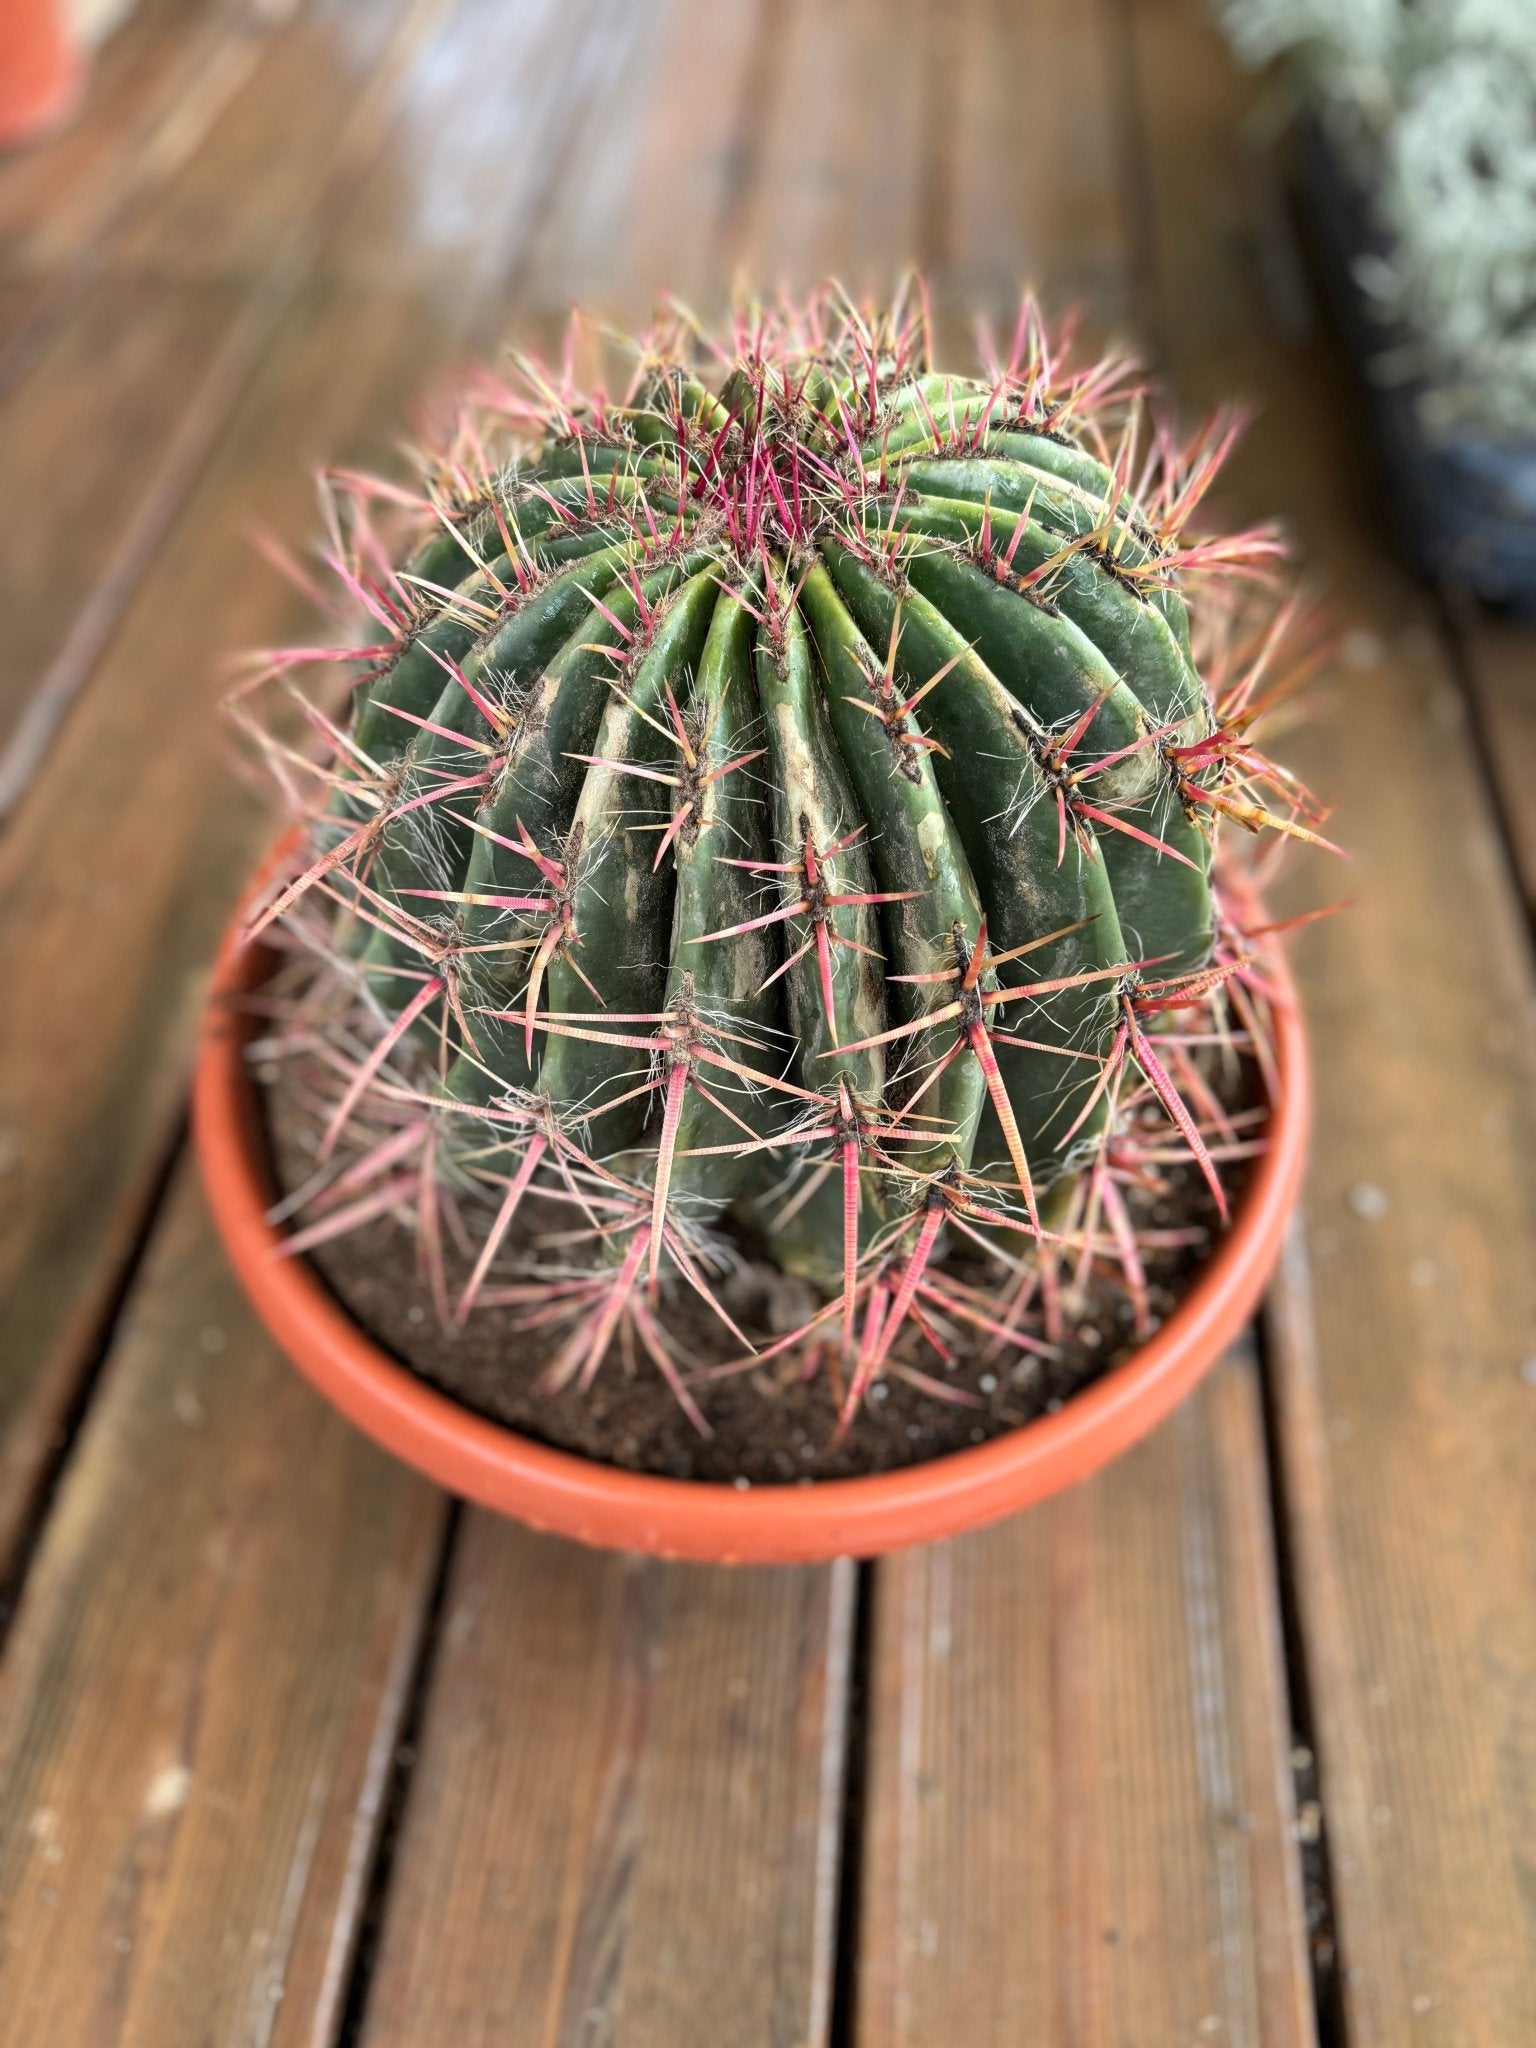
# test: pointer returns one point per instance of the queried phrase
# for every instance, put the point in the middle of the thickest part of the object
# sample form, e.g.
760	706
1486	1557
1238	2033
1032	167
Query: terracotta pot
41	71
573	1496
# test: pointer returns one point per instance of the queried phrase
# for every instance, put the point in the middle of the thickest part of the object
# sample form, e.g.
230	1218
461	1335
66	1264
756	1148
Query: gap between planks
623	1820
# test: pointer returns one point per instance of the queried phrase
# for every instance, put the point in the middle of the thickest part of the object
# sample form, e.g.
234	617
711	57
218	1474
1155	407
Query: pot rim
570	1495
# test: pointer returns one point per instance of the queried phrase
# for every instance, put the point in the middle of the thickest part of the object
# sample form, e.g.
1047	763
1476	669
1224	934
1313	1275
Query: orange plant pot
41	70
573	1496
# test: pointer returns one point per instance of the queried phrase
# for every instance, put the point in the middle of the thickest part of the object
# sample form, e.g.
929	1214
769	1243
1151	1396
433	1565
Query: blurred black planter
1464	511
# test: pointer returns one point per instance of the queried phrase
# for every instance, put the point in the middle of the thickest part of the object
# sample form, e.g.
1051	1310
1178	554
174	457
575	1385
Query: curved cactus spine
790	798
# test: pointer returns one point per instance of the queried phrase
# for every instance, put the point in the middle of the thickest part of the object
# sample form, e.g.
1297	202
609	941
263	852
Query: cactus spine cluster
783	798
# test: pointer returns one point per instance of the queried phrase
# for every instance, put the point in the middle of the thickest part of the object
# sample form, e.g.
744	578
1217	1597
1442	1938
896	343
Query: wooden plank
1500	660
1404	1328
450	185
155	91
105	435
984	199
101	442
592	170
622	1818
516	201
130	844
327	85
20	304
623	1813
203	1688
840	159
1029	196
163	359
1080	1810
699	138
1079	1806
645	188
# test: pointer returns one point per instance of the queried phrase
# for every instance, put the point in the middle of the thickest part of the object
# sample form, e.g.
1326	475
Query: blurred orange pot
40	69
574	1496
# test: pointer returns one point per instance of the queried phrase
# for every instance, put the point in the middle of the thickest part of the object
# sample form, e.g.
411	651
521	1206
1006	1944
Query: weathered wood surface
1080	1803
144	341
21	301
623	1822
451	204
327	83
625	1811
202	1691
116	921
155	94
102	440
1403	1328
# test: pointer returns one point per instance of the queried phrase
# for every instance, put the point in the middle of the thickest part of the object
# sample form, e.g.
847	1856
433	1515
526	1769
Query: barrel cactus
778	807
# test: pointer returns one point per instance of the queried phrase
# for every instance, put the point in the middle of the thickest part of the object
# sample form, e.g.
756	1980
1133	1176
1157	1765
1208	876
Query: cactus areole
777	808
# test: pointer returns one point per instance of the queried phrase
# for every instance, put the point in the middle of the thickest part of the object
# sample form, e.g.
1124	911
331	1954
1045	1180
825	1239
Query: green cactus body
780	794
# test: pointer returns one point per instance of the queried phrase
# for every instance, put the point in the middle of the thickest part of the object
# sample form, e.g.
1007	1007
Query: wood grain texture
894	136
155	93
1028	198
448	193
593	168
247	188
21	304
101	441
1405	1325
838	152
699	136
140	345
202	1690
116	922
1080	1807
622	1819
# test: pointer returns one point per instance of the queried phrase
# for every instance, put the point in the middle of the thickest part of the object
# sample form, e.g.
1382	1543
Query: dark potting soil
769	1425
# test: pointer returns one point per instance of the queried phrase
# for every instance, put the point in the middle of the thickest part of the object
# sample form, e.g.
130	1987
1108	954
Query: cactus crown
784	797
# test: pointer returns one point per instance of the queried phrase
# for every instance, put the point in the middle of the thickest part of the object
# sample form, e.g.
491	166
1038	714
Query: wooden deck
1236	1745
